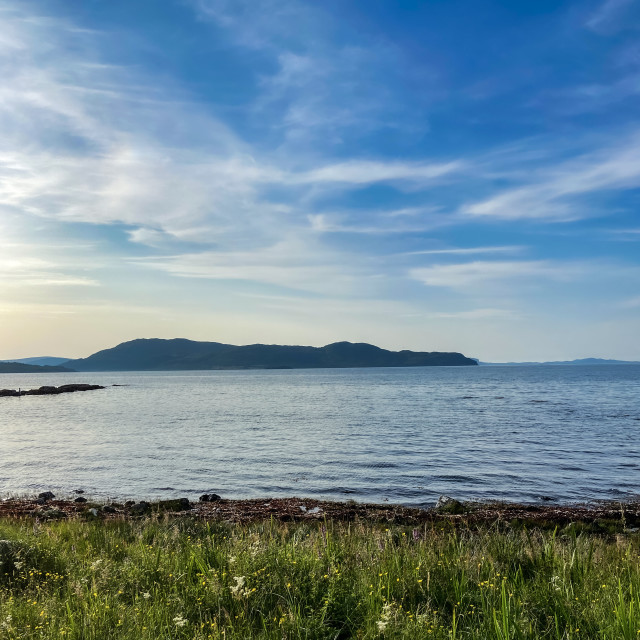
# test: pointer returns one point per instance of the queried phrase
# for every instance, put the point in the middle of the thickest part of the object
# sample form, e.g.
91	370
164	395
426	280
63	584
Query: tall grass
157	579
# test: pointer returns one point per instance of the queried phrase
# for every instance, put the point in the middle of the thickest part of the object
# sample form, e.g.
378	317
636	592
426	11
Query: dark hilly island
179	354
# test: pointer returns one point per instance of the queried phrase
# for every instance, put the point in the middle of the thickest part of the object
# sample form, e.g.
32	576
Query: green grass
157	579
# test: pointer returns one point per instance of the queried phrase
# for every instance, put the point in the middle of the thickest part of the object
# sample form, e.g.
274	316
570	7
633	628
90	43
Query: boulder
80	499
210	497
181	504
46	495
140	508
447	504
41	391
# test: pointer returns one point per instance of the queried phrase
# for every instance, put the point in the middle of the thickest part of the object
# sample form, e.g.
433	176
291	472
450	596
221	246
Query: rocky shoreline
48	391
605	517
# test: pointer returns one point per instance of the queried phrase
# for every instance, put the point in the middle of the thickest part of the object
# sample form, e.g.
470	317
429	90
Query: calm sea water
398	435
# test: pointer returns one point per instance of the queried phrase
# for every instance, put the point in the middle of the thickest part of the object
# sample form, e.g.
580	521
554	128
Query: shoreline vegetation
302	568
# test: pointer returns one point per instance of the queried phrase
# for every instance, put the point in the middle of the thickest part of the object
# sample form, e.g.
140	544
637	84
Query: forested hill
180	354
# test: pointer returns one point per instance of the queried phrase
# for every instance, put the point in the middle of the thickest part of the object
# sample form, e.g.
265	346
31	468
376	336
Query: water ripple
397	435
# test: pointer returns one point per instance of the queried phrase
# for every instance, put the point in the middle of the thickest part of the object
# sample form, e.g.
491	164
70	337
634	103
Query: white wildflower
239	586
146	595
180	621
385	617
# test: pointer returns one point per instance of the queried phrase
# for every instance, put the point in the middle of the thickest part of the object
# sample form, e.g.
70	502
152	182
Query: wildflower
179	621
385	617
238	588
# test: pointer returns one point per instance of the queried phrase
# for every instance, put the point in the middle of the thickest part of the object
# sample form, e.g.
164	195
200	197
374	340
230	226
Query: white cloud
359	172
295	262
324	223
474	314
469	276
555	191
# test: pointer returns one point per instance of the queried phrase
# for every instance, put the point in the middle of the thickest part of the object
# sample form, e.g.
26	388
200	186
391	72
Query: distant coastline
20	367
180	354
575	363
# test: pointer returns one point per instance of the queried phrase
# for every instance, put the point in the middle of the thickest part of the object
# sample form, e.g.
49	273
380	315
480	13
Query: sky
445	175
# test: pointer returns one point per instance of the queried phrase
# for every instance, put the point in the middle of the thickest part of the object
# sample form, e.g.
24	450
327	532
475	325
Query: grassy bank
181	578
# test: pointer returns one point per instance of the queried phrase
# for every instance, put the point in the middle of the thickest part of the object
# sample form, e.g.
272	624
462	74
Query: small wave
376	465
457	479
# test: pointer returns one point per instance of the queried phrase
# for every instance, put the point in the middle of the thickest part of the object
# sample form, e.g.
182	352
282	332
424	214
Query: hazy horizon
586	357
451	176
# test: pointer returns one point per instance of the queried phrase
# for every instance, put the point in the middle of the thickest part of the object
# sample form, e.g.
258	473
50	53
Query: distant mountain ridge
21	367
575	363
180	354
43	361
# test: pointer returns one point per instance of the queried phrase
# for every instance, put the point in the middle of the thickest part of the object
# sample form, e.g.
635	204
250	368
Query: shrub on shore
181	578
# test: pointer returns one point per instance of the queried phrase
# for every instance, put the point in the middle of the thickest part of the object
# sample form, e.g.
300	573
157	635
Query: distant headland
180	354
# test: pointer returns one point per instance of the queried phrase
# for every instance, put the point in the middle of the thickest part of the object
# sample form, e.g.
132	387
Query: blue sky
427	175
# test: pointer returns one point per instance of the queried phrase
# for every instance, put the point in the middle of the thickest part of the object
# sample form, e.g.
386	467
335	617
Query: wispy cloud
295	263
555	191
325	223
469	275
331	83
606	18
466	250
21	272
474	314
369	172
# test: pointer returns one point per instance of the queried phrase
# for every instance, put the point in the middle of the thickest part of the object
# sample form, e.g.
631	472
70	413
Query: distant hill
182	355
580	362
43	361
583	361
20	367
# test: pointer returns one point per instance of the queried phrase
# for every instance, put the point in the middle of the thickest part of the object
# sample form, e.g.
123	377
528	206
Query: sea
549	433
